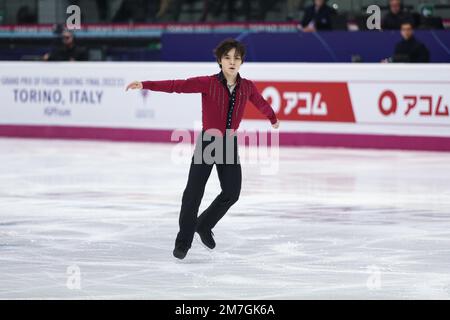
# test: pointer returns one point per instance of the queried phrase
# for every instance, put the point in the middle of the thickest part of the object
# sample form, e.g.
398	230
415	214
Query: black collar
222	78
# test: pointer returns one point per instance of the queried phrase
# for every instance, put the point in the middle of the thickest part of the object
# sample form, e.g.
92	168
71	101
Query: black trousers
230	177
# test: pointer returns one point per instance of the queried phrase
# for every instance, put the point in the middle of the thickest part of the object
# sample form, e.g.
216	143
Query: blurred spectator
396	15
318	16
68	51
409	49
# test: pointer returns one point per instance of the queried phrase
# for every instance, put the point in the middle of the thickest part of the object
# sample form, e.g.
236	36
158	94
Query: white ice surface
327	224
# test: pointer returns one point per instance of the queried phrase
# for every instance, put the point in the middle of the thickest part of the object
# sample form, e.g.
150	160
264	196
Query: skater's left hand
134	85
276	124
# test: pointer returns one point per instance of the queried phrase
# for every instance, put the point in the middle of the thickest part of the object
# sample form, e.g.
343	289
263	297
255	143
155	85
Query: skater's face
231	62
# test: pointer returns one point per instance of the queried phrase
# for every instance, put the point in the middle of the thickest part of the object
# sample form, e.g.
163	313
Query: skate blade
197	238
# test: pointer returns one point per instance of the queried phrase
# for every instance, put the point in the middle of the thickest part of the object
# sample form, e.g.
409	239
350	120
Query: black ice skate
207	238
180	251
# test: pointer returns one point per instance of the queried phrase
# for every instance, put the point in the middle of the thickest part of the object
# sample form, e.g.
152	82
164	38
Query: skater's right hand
134	85
276	124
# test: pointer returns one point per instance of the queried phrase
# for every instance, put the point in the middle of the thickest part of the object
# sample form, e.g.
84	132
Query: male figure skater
224	96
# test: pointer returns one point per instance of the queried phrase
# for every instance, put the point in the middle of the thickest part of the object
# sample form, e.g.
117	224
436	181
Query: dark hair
225	46
407	21
402	5
69	32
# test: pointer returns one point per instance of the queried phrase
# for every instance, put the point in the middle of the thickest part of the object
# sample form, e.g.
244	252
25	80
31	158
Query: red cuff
273	119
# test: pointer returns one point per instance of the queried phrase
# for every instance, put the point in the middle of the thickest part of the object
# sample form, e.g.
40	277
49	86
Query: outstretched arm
263	106
190	85
134	85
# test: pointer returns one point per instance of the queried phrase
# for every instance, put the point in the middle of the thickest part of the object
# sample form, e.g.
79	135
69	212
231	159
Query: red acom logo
388	104
307	101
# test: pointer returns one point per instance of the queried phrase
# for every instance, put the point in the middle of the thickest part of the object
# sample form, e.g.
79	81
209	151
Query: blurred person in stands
396	16
224	99
68	51
318	17
409	49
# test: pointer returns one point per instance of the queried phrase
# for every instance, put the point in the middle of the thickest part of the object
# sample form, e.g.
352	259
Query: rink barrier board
293	139
395	106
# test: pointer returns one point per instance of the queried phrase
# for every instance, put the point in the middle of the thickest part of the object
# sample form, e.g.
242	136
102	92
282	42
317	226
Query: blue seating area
336	46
